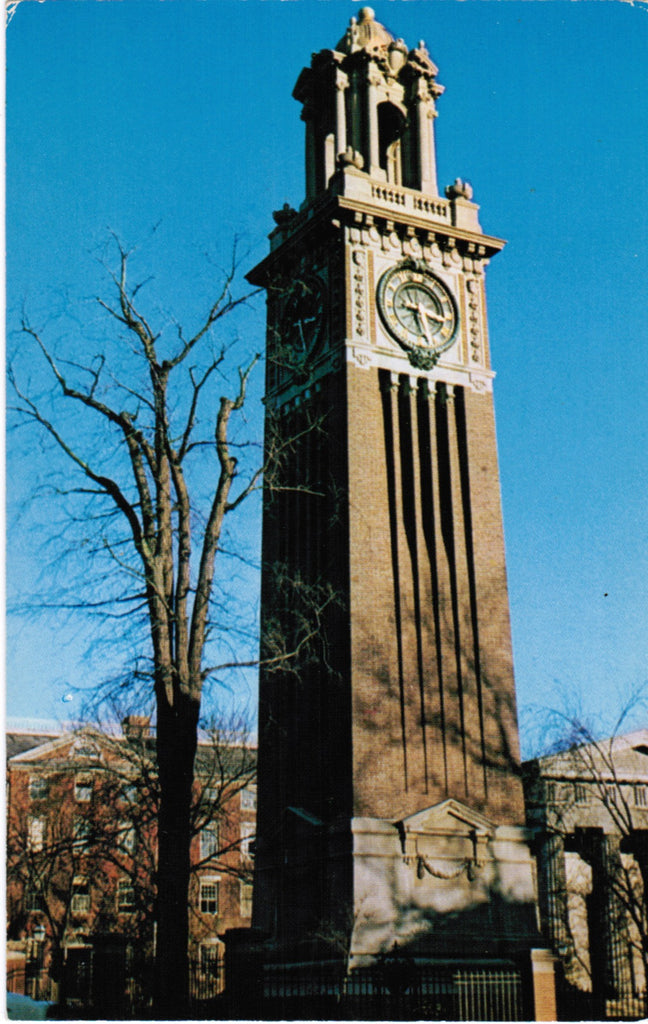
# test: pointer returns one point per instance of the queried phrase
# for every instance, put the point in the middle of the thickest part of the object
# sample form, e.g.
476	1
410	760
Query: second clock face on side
303	316
417	309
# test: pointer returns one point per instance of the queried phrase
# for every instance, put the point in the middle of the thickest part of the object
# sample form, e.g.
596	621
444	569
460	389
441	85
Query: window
581	793
611	795
210	957
248	798
128	839
33	897
210	794
209	841
641	796
80	903
129	793
80	831
248	829
35	834
83	788
556	793
125	896
209	895
38	787
245	896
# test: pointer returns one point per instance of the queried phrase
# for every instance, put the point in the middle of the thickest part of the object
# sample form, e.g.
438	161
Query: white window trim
209	880
36	831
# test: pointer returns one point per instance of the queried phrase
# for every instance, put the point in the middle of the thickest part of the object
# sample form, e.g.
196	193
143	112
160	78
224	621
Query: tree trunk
176	750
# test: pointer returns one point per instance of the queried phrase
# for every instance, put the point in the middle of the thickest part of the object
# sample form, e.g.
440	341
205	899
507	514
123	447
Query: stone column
341	85
606	917
425	148
552	889
614	918
430	185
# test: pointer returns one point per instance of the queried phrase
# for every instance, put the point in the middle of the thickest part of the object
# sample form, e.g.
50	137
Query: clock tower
390	803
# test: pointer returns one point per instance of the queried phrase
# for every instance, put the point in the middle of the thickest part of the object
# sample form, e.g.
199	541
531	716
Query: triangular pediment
78	746
448	816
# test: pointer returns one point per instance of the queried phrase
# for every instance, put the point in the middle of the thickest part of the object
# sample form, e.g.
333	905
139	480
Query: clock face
303	315
417	309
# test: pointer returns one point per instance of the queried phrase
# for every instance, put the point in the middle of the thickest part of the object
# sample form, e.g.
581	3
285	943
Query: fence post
543	970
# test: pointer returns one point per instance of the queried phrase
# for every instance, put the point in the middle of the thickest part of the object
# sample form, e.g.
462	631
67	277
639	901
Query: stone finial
349	42
284	216
459	190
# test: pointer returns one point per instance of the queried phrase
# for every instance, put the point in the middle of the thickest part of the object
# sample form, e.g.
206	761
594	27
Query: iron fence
396	989
120	986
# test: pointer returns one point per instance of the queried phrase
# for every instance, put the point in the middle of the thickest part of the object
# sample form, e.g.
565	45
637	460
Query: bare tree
172	464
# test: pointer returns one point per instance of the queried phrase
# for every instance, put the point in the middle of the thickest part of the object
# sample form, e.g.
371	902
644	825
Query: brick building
81	846
588	807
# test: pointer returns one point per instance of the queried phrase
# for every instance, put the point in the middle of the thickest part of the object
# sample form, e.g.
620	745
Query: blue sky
123	116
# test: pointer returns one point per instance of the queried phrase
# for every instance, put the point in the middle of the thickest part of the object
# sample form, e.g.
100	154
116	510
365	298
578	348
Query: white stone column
425	115
341	85
430	185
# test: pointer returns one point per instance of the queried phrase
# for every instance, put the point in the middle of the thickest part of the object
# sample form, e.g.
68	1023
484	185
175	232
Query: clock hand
418	306
423	315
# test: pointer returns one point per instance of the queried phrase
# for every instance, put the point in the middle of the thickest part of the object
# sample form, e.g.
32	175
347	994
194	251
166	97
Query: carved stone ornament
359	292
424	865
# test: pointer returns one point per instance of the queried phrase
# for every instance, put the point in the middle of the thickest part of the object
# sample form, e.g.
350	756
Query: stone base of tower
439	918
444	882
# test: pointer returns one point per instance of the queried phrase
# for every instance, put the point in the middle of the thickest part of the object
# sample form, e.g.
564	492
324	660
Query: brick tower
390	805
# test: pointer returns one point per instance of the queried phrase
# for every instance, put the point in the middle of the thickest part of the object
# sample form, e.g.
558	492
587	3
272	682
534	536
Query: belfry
390	808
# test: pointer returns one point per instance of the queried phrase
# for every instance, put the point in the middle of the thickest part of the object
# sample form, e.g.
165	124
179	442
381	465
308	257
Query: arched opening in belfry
391	125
